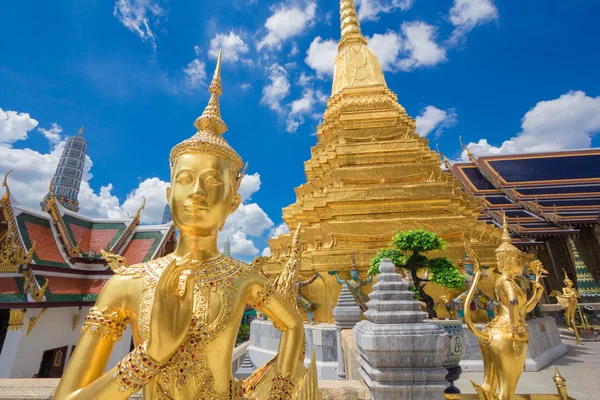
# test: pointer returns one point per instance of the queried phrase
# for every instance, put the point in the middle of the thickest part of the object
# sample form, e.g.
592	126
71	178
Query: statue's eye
212	180
184	179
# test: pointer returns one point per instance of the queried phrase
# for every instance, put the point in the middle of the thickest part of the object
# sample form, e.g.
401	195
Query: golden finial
505	234
471	156
137	215
349	25
5	185
561	385
81	130
210	120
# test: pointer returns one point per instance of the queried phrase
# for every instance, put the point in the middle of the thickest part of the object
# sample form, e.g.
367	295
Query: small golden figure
184	309
568	300
503	342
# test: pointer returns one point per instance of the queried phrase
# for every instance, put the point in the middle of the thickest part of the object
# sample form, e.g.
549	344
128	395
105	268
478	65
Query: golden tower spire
350	26
355	64
505	234
210	121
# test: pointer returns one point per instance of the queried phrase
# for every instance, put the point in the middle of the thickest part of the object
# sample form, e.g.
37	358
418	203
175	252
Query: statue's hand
171	312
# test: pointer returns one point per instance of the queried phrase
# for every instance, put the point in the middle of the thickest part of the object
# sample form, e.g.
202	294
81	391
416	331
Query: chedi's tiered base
401	356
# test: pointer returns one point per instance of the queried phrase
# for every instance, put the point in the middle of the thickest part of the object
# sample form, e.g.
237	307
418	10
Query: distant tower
227	248
167	215
67	178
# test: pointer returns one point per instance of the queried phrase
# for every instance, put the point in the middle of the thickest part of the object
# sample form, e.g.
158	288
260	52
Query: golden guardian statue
503	342
568	300
184	309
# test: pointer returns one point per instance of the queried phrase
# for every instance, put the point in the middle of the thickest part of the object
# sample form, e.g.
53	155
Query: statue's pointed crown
211	127
506	246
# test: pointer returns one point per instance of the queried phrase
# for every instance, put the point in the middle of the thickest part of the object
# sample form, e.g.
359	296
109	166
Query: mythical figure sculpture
355	285
568	300
503	342
184	309
303	303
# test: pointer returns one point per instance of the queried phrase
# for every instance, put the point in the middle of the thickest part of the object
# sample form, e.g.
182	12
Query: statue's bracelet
135	369
282	388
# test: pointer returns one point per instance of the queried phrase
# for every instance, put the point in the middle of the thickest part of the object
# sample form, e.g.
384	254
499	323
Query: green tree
408	253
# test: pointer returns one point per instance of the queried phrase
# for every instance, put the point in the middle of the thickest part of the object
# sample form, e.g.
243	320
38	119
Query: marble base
264	344
543	348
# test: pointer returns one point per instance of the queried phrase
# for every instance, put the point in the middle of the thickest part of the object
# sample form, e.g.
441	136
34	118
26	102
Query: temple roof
39	234
543	194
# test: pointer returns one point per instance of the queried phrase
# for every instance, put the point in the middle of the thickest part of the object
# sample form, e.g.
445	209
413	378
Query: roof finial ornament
350	26
471	156
137	215
81	130
210	121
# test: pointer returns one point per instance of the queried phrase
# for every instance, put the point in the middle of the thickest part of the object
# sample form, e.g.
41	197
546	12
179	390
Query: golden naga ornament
503	342
184	309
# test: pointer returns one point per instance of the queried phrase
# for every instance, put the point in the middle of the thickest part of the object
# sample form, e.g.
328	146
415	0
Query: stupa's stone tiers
264	344
544	347
400	355
346	314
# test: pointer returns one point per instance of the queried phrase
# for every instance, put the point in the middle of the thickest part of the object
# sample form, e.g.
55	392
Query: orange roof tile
137	249
46	247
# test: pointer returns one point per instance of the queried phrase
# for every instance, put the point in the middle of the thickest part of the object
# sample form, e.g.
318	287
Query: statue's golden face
510	262
202	194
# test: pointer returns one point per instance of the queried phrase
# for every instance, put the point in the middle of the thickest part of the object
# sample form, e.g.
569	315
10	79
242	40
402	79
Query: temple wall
589	250
561	257
22	353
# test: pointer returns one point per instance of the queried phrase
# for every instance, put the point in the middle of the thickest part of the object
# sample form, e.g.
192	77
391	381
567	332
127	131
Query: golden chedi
369	175
184	309
503	342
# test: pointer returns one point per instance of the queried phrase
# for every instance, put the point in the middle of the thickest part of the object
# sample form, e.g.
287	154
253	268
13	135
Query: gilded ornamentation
76	318
135	369
34	320
52	208
15	320
31	285
109	324
503	342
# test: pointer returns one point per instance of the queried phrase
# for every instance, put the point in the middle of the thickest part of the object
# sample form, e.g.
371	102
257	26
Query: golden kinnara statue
503	342
568	300
184	309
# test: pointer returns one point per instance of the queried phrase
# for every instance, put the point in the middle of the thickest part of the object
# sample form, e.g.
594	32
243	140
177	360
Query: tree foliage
407	253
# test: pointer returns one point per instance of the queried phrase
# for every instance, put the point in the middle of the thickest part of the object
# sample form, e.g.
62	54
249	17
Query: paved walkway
580	367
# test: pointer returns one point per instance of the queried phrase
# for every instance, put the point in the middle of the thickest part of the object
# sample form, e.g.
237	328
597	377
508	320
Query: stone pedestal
346	315
400	355
264	344
543	348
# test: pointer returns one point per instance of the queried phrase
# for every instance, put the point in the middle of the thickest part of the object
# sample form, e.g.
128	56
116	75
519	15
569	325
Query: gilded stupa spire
505	234
350	26
210	121
356	66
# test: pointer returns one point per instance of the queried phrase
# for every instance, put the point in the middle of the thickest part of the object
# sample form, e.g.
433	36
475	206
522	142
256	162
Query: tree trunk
427	299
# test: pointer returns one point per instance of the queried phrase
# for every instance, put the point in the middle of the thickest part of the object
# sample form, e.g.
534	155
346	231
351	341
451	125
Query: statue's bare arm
84	377
285	316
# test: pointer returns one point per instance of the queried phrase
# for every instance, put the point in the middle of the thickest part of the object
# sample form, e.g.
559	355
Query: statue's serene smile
184	309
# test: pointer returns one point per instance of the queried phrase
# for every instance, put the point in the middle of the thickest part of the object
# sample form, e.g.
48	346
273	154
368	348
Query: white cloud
245	86
568	122
387	48
369	9
135	15
232	44
277	90
299	108
250	185
286	22
432	118
465	15
14	126
420	45
195	73
321	55
279	230
53	134
266	252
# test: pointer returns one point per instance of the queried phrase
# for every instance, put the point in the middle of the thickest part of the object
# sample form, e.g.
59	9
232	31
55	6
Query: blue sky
508	76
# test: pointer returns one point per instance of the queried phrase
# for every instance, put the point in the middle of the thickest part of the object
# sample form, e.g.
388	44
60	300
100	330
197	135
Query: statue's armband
109	324
262	297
